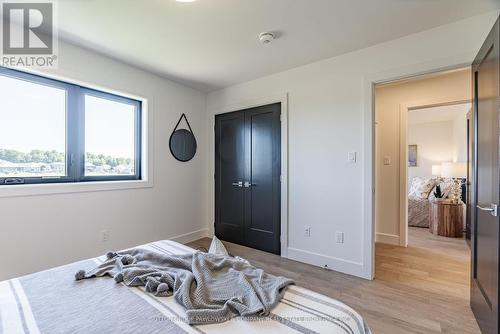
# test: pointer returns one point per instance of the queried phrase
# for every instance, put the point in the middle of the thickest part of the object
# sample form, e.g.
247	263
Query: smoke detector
266	37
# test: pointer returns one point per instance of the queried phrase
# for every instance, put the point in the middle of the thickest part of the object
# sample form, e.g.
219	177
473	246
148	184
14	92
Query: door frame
404	109
368	140
246	104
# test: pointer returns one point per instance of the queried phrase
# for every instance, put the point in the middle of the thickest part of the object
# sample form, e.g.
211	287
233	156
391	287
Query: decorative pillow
217	247
446	188
421	187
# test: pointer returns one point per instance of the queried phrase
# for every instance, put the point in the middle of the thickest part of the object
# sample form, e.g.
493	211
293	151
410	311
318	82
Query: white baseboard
385	238
191	236
333	263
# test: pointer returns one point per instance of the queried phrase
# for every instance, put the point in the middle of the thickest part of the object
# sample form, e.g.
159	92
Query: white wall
435	144
39	232
460	137
326	120
440	132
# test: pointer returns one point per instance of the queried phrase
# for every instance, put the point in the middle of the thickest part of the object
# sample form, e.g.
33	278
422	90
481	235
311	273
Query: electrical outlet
387	160
339	237
307	231
104	235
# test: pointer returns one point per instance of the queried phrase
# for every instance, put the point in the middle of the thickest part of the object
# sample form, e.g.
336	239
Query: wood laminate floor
420	289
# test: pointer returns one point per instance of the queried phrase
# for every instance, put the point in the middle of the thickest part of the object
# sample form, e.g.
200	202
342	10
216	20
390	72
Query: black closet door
263	189
230	172
249	173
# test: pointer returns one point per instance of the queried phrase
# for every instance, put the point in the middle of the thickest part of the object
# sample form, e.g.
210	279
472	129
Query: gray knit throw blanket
212	288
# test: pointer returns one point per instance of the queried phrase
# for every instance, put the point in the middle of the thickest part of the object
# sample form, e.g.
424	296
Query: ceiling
211	44
439	114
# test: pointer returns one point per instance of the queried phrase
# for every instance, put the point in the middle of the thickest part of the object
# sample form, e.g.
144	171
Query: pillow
446	188
217	247
421	187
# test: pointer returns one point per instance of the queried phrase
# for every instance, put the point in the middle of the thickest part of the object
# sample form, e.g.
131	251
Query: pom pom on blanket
118	278
80	274
110	255
151	284
162	290
157	287
128	259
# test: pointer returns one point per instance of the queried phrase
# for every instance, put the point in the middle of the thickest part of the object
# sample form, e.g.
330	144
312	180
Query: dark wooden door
485	228
469	185
230	172
247	172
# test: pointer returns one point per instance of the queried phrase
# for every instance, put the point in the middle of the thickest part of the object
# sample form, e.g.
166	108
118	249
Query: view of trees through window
99	164
38	163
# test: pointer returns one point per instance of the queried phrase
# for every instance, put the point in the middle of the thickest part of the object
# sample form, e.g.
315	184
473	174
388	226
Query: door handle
238	184
249	184
493	209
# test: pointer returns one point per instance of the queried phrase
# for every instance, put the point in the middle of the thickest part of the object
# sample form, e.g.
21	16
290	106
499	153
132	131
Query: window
109	137
52	131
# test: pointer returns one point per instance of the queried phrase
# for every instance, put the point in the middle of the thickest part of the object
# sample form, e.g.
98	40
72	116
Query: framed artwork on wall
412	155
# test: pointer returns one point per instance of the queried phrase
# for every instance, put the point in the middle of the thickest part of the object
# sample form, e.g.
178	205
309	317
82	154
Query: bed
418	212
53	302
421	192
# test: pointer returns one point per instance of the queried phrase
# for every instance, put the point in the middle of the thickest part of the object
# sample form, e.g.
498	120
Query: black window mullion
138	141
72	133
80	134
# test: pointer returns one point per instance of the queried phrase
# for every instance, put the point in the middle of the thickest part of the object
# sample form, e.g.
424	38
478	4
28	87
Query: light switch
351	157
339	237
387	160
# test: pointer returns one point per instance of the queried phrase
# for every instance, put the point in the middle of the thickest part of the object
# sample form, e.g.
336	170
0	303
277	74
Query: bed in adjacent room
52	301
421	192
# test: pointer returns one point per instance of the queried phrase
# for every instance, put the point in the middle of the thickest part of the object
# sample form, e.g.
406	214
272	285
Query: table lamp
436	170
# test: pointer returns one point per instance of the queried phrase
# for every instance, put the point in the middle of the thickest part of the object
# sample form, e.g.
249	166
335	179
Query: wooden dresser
446	218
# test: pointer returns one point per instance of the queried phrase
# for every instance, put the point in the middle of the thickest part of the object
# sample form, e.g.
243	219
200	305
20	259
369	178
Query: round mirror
182	145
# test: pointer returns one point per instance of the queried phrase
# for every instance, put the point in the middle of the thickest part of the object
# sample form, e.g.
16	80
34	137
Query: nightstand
446	218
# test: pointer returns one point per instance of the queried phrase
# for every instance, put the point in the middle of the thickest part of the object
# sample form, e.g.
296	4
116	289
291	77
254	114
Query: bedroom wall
389	101
325	122
440	134
39	232
435	144
460	136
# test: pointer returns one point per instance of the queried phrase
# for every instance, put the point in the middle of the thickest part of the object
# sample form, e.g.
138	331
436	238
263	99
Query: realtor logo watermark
28	35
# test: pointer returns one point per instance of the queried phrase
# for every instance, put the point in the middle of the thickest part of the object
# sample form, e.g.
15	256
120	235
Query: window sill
68	188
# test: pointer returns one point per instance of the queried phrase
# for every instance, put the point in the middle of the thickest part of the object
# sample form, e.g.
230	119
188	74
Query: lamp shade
436	170
454	169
